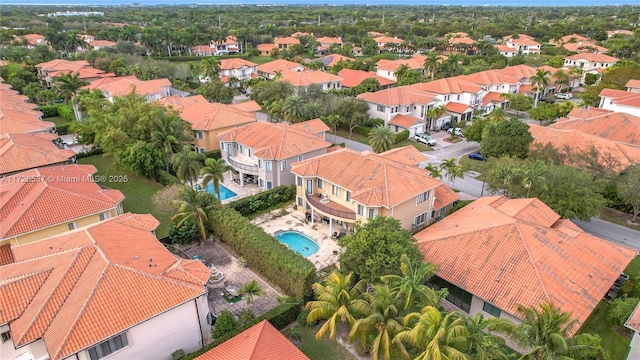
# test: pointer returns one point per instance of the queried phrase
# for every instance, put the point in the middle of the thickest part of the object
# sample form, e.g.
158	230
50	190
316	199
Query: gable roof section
274	66
235	63
308	78
71	293
492	96
403	95
246	106
580	113
333	59
452	85
633	322
592	57
289	40
62	65
456	107
633	83
351	78
314	126
491	77
25	151
276	141
203	115
384	179
621	97
404	121
408	155
504	252
69	189
260	342
121	86
393	65
620	127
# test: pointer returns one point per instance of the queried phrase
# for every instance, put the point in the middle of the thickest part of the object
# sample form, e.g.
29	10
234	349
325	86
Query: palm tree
498	114
439	335
434	171
187	164
453	171
540	81
544	332
481	345
294	109
432	63
381	138
411	285
67	86
401	72
506	172
170	132
533	173
562	79
382	317
335	302
251	290
193	207
213	171
210	67
455	63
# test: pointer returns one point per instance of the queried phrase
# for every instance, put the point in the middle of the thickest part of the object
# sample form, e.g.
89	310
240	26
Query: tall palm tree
210	67
432	63
294	109
506	172
410	285
187	164
562	79
67	86
540	81
381	138
455	64
401	72
439	335
544	332
534	174
382	318
335	302
213	171
482	345
193	207
252	290
434	171
453	171
498	114
170	133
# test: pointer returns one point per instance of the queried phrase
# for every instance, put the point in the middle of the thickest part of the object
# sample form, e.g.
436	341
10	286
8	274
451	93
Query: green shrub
225	324
375	122
66	113
183	234
263	200
291	272
362	130
48	111
280	316
459	204
94	151
213	154
628	286
166	179
401	136
302	318
621	309
63	129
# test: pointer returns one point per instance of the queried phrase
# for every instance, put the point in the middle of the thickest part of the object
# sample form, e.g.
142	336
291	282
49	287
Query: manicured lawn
138	191
478	166
260	59
323	349
56	120
615	338
364	140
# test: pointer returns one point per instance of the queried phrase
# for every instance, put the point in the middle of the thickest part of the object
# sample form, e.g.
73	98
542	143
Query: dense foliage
506	138
263	200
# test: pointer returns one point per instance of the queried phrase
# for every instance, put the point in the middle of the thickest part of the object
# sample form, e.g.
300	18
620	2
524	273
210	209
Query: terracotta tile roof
508	259
622	97
580	113
611	33
373	179
492	96
121	86
259	342
576	37
633	83
25	151
314	126
26	206
62	65
352	78
520	71
287	40
21	123
491	77
404	121
102	43
633	322
523	41
591	57
403	95
521	36
525	88
461	40
444	196
33	39
275	140
235	63
265	47
6	255
246	106
408	155
388	39
457	108
584	47
620	127
79	288
274	66
452	85
329	40
308	78
333	59
505	48
203	115
393	65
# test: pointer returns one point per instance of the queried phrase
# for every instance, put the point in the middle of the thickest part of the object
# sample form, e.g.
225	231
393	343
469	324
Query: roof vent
135	257
150	260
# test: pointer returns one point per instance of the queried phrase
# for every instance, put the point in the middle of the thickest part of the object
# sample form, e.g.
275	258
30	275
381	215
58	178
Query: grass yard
260	59
364	140
618	217
56	120
615	338
138	190
478	166
323	349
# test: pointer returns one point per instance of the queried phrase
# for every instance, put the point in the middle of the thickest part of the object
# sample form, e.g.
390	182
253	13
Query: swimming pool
224	192
298	242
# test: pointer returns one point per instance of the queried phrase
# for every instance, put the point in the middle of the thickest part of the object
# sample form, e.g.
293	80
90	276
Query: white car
458	132
425	139
565	96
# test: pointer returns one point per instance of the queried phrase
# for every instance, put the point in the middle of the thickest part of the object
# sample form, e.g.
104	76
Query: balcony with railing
330	208
243	166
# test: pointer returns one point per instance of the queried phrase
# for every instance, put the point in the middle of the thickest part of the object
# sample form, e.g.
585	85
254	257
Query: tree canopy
506	138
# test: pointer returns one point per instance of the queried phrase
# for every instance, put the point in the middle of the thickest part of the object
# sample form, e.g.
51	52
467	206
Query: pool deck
241	192
294	220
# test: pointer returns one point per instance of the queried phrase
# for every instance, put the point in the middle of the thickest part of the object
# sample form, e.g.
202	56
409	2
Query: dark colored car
446	126
477	156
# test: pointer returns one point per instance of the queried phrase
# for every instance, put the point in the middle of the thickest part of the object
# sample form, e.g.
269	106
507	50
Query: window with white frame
108	347
300	157
283	164
6	336
423	197
300	201
267	165
221	145
360	210
372	213
380	108
259	164
320	184
200	135
249	153
299	181
420	219
442	211
348	195
104	216
241	149
261	183
335	191
458	97
73	225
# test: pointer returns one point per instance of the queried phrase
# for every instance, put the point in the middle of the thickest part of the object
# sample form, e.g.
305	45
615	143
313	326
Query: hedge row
263	200
48	111
198	58
280	316
291	272
213	154
94	151
401	136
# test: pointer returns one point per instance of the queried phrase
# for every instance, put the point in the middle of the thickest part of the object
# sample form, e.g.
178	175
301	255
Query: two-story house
113	87
284	43
237	68
20	152
590	63
302	80
403	108
622	101
460	96
353	78
387	68
107	290
270	69
495	83
263	153
524	74
207	120
388	43
524	44
51	200
50	69
345	186
326	42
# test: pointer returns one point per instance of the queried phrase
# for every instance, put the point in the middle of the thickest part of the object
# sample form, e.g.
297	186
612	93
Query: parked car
548	100
458	132
425	139
446	126
477	156
565	96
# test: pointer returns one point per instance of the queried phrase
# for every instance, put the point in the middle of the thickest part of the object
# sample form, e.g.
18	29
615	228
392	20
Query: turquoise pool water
298	242
224	192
